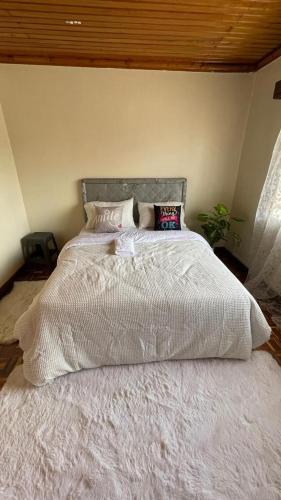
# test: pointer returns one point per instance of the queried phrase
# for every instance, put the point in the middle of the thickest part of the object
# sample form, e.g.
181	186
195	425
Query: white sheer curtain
264	278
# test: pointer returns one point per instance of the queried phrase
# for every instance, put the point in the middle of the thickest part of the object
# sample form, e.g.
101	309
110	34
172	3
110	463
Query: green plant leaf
235	237
217	225
221	209
203	216
222	223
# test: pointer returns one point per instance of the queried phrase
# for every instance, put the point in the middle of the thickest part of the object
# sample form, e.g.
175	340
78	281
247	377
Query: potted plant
217	225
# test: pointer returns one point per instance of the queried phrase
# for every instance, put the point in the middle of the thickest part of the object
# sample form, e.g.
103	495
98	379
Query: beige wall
13	220
262	130
69	123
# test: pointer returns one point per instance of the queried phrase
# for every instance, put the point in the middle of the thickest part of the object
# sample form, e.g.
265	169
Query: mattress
173	300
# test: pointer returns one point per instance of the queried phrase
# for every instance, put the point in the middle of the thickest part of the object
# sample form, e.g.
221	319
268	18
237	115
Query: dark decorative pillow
167	217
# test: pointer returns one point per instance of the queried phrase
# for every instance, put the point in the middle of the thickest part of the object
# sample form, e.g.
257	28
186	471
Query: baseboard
8	286
225	251
239	260
232	263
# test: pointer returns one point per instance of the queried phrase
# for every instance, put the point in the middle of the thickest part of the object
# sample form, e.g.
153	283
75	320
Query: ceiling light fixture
73	22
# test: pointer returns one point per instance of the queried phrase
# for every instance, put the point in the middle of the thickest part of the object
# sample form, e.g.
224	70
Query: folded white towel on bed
124	247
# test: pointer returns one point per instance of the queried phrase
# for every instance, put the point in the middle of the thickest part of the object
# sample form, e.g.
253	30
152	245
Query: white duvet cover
173	300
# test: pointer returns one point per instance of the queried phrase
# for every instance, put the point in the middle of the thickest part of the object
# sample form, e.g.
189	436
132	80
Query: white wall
69	123
13	220
262	130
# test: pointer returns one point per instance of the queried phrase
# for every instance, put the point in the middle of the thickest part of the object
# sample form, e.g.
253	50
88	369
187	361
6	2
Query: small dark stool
39	248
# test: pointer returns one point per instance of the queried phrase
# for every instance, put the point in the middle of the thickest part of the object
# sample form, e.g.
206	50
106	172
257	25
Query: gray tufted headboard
147	190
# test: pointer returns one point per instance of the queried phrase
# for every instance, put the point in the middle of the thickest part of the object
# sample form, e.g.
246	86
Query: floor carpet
196	430
13	305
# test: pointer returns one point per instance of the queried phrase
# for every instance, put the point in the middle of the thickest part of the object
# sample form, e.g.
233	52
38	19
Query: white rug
191	430
13	305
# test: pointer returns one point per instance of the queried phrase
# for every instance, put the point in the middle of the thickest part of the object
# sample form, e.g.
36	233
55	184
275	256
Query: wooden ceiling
198	35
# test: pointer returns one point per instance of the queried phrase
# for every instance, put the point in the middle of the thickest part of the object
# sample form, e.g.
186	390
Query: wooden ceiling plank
33	40
187	33
152	23
145	39
200	6
115	17
43	50
159	20
126	21
187	3
121	7
189	52
165	44
116	39
150	39
206	52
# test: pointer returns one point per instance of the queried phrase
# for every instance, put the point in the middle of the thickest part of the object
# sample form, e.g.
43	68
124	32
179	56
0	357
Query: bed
172	300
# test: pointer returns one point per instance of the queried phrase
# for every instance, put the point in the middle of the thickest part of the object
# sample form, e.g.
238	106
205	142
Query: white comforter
173	300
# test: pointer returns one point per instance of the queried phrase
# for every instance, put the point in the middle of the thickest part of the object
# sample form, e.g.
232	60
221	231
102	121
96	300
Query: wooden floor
11	355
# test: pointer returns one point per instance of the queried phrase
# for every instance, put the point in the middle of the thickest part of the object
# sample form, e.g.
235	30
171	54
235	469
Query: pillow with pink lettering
167	218
108	219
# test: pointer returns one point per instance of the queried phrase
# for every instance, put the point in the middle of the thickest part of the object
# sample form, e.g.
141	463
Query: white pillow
127	214
146	213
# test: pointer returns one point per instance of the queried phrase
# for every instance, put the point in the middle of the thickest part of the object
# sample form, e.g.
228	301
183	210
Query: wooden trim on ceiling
142	63
269	58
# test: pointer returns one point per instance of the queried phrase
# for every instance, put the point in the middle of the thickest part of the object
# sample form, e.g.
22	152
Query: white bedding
173	300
